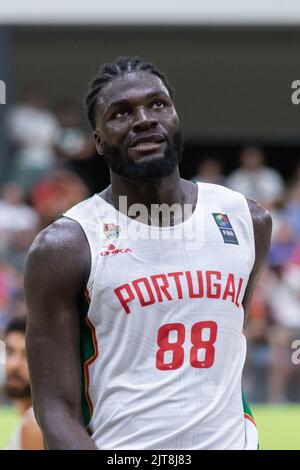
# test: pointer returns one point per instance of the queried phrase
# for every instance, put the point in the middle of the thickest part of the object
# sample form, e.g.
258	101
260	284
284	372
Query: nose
15	362
143	120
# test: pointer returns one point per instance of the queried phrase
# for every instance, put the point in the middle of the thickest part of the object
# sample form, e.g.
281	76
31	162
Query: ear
98	142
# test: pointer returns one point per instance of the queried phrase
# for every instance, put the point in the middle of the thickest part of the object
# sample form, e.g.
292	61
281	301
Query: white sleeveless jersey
162	341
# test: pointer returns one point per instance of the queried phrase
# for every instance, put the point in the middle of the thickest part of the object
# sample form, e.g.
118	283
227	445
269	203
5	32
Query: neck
22	404
167	190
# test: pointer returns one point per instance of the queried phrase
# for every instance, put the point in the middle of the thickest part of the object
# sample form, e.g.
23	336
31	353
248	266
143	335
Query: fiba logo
2	92
2	353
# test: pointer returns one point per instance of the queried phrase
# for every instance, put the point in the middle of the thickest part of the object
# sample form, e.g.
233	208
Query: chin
17	392
149	157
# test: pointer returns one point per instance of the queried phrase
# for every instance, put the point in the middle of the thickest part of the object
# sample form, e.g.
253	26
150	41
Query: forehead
15	339
130	86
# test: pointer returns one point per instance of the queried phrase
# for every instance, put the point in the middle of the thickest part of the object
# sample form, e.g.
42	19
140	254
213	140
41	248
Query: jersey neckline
188	221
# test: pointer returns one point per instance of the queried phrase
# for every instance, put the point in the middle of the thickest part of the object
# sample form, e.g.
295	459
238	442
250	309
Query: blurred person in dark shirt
75	150
209	170
72	143
257	333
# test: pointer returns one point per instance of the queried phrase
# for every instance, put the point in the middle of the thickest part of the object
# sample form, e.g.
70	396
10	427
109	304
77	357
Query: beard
20	392
150	171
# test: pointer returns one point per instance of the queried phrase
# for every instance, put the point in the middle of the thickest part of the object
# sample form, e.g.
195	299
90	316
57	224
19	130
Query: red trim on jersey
87	294
92	359
250	418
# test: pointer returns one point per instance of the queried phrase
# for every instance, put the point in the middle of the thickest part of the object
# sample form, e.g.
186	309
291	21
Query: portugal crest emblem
111	231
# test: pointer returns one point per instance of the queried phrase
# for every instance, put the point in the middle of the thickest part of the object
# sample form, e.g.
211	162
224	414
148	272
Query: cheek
7	366
175	118
171	123
24	370
115	133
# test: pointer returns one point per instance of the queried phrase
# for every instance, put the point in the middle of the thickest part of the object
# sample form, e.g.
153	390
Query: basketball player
27	436
135	336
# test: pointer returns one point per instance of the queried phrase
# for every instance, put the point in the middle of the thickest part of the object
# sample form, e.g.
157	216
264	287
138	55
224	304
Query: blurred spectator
27	435
15	214
296	173
11	282
255	180
71	143
257	327
52	159
292	210
19	223
283	293
54	195
33	130
209	170
295	256
283	244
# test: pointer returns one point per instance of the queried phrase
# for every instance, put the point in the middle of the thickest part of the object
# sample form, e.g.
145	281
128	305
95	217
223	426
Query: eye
9	351
120	113
159	104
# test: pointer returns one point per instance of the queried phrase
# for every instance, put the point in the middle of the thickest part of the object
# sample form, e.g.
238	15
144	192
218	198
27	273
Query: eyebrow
126	102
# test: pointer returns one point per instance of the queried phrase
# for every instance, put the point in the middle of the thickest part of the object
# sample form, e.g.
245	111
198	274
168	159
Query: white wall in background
151	12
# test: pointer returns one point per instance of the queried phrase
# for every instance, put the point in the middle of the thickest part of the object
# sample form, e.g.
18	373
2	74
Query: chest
209	260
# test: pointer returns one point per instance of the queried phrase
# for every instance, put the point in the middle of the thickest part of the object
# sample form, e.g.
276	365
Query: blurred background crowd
54	166
231	65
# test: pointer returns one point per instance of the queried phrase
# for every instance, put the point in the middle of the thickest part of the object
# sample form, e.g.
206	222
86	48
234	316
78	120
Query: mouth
147	143
15	382
147	146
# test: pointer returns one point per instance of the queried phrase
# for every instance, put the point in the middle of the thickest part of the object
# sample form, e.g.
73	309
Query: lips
14	380
147	146
147	142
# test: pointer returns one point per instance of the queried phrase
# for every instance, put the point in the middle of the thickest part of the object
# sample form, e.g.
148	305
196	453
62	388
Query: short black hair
17	324
109	71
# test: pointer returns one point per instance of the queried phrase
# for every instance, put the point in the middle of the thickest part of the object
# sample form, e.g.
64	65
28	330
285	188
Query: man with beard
28	435
137	296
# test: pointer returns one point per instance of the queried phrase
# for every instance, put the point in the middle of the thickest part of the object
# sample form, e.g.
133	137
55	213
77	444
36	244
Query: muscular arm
262	225
57	270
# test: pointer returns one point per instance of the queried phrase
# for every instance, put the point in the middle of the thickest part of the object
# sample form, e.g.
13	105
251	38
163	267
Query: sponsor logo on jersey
111	231
225	228
113	250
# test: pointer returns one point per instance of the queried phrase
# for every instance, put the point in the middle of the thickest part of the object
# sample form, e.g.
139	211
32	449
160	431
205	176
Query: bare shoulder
260	216
63	234
60	250
262	225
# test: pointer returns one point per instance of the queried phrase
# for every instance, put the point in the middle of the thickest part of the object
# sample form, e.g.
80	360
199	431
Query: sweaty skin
59	260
